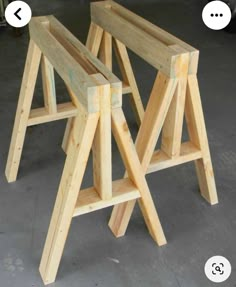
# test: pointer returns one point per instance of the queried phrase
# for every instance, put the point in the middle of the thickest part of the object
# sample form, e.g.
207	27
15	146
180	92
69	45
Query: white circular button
216	15
18	14
217	269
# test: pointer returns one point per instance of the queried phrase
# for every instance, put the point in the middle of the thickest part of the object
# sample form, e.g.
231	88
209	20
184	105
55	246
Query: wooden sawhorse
96	106
174	93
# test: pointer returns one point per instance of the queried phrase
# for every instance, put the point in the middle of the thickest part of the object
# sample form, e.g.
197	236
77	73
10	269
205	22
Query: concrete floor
93	257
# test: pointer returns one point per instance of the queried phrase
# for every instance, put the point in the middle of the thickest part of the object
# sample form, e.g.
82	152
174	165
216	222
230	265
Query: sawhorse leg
134	170
81	141
23	111
198	136
156	111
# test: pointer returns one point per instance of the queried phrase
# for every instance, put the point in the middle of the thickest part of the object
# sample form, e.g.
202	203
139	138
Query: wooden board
153	30
105	54
150	49
198	136
49	89
89	200
173	125
129	79
135	173
65	65
160	160
23	110
41	115
73	172
102	170
88	52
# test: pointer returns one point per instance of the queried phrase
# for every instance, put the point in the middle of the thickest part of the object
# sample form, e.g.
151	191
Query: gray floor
93	257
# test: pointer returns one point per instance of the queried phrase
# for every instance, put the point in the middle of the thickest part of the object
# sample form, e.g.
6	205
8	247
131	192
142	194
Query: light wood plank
49	89
128	76
105	54
126	89
150	49
158	105
70	122
65	65
57	28
135	173
73	50
94	38
76	161
156	111
120	217
122	190
173	125
154	31
102	170
198	135
41	115
160	160
66	136
23	111
96	78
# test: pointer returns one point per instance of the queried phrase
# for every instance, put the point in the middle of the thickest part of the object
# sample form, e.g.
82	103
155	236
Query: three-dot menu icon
216	15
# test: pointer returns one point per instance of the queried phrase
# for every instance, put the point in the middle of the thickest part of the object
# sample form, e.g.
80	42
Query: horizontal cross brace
41	115
159	161
126	89
89	200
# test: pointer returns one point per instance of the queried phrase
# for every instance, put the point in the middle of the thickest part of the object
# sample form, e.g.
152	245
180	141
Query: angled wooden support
135	174
129	82
172	128
95	111
105	52
198	136
174	94
23	111
158	105
94	39
49	89
83	132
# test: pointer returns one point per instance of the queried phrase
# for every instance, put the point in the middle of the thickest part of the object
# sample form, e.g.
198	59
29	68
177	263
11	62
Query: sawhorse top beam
148	41
64	52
